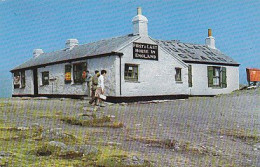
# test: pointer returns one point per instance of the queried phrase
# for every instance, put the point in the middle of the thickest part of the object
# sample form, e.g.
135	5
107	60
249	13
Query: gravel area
226	124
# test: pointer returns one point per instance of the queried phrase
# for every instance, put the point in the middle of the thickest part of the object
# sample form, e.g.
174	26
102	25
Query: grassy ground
26	148
218	131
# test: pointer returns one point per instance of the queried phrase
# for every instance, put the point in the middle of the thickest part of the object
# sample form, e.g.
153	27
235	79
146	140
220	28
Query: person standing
94	83
101	87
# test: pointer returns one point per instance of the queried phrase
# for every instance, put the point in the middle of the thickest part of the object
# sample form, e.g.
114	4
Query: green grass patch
18	133
104	121
241	134
45	113
81	122
5	104
180	146
116	158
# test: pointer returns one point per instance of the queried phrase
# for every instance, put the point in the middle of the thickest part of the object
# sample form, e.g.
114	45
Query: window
190	75
131	72
45	78
178	74
17	80
79	73
67	73
217	76
23	79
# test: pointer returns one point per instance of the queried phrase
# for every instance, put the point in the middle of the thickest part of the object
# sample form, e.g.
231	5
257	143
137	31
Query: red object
253	74
84	74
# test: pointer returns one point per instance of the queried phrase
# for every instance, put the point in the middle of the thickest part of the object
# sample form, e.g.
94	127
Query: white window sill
216	87
43	85
77	83
20	88
132	81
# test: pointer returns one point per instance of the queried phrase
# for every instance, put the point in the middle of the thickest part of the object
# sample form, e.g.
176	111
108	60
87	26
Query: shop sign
145	51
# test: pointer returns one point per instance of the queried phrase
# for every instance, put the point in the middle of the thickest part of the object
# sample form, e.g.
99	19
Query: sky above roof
47	24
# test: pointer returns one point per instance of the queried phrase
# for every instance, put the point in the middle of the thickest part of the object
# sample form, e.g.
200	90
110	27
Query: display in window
131	72
68	73
217	77
17	80
45	78
79	72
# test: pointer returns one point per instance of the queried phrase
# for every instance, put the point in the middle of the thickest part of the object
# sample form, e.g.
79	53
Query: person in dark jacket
94	83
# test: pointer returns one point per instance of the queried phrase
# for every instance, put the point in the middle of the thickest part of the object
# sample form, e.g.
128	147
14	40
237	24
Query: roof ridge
195	52
106	39
64	49
99	47
179	41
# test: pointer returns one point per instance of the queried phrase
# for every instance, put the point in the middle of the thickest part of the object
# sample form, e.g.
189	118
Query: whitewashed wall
58	86
200	80
155	77
58	72
107	63
28	84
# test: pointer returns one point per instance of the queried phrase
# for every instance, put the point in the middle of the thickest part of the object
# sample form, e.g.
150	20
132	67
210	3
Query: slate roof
184	51
101	47
195	53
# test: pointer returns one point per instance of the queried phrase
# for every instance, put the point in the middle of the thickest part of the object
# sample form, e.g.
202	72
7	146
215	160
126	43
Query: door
35	81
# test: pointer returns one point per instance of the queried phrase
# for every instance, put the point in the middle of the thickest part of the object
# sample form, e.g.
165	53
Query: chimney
140	24
139	11
37	52
70	43
210	40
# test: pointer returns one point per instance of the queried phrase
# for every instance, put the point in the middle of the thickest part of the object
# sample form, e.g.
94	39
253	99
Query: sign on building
145	51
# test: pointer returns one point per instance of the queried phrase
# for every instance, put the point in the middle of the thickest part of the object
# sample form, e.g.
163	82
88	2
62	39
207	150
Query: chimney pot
210	40
71	43
209	32
139	11
37	52
140	24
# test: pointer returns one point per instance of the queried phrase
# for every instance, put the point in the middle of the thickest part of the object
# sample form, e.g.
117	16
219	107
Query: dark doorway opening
35	81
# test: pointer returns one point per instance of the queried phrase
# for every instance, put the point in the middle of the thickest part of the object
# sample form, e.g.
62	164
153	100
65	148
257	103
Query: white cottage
139	68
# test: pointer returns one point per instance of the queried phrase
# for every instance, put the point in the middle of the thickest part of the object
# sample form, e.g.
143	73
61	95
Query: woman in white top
101	86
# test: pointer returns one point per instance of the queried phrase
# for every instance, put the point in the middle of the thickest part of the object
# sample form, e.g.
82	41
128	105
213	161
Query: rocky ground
199	131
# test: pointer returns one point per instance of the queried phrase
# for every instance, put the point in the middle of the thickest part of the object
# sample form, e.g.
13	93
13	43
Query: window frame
178	79
77	73
222	76
217	78
17	73
23	79
134	73
44	81
190	75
